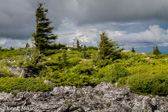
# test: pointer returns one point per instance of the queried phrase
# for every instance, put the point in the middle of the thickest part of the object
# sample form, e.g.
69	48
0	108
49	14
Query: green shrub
9	84
73	61
85	67
102	63
68	78
5	73
122	81
92	48
111	73
156	84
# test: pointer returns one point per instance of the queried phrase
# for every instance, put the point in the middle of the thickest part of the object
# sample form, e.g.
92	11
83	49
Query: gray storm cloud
94	11
17	19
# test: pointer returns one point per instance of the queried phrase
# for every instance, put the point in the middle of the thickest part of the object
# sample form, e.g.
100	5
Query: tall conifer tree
78	45
133	50
156	50
42	36
84	51
108	49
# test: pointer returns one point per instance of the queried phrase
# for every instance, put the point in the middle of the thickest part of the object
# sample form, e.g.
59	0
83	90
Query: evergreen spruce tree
12	48
43	40
42	36
27	45
156	50
133	50
108	49
78	45
64	56
84	51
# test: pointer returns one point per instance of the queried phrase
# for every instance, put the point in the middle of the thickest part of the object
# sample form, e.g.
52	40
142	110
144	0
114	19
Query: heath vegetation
80	65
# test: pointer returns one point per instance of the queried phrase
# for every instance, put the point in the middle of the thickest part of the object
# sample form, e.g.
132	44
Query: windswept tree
84	51
12	48
78	45
133	50
27	45
42	36
43	40
108	49
0	48
64	56
156	50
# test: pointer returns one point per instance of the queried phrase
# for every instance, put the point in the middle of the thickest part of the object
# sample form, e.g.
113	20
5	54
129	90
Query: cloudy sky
141	24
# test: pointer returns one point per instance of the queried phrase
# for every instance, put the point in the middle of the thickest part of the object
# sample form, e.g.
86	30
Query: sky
139	24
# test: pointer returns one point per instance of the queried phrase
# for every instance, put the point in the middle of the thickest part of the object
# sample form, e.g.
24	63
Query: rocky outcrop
102	98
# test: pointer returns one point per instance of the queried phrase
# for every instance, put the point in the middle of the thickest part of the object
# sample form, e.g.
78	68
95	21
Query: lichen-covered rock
102	98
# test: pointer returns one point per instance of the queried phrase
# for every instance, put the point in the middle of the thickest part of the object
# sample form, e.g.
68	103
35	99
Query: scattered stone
49	82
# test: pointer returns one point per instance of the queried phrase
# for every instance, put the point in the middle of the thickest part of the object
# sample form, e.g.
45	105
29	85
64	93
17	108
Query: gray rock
102	98
6	97
49	82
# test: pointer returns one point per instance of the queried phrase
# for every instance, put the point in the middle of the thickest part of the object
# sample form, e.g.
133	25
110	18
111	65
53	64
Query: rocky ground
102	98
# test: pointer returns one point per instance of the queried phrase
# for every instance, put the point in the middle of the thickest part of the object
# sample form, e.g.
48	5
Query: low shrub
85	67
5	73
73	61
149	83
111	73
68	78
122	81
9	84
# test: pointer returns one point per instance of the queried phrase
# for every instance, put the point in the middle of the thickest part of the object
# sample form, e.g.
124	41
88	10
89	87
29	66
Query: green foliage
78	45
156	84
133	50
156	50
68	78
11	48
73	61
13	54
131	69
102	63
57	46
86	67
5	73
9	84
122	81
27	45
64	56
42	36
33	66
84	51
111	73
92	48
91	54
107	48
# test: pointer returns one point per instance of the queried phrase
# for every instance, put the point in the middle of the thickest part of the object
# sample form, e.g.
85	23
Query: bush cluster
156	84
8	84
